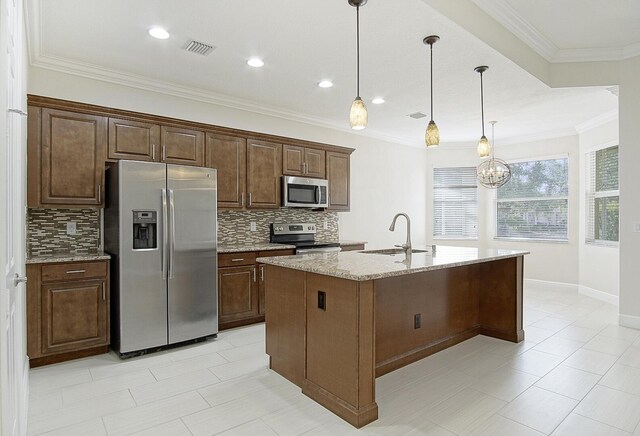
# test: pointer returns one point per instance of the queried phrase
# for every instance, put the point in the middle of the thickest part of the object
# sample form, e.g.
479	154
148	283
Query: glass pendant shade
432	135
484	148
358	116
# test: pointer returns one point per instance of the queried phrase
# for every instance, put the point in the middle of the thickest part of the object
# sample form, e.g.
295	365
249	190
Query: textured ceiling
303	42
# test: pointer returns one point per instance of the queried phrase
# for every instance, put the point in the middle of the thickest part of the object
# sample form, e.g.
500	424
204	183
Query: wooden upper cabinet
315	162
302	161
338	174
182	146
264	169
70	149
228	155
292	160
133	140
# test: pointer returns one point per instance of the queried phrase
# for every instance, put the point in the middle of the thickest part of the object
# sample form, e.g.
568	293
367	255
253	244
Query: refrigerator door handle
165	235
172	238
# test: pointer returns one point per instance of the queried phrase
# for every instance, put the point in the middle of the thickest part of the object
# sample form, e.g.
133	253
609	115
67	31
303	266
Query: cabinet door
338	176
74	315
315	162
72	158
182	146
292	160
237	293
264	169
262	272
133	140
228	155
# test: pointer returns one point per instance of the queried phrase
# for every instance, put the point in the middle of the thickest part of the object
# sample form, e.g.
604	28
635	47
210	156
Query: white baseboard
629	321
546	285
599	295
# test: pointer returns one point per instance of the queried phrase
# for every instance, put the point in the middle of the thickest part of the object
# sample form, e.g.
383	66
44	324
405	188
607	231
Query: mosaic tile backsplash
47	228
47	232
234	227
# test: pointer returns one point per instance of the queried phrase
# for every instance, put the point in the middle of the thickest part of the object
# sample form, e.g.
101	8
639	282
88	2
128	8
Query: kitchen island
336	321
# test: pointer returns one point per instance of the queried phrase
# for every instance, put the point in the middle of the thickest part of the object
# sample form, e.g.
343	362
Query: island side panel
285	314
500	291
446	301
340	372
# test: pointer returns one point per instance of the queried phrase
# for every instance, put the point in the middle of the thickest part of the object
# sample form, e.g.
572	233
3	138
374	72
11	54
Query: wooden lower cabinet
67	311
237	295
241	297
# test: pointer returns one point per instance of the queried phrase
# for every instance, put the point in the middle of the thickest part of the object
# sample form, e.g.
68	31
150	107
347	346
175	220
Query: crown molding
504	13
122	78
597	121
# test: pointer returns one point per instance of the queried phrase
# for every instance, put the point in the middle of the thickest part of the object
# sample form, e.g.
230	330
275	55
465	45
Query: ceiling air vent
198	47
417	115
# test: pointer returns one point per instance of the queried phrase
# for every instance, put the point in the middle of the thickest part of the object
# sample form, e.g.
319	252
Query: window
535	202
603	196
455	203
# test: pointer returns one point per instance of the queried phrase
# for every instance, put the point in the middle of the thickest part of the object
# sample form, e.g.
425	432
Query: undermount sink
392	251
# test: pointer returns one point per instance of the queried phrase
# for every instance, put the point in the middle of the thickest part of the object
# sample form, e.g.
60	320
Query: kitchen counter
258	246
56	258
360	266
336	321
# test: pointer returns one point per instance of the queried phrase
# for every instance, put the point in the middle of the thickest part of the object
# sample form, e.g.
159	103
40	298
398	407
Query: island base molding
408	358
356	416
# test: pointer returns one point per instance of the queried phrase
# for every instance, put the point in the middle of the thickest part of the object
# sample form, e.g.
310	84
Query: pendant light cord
482	102
358	50
431	68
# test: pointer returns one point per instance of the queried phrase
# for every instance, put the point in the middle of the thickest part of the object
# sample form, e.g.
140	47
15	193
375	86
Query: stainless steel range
302	235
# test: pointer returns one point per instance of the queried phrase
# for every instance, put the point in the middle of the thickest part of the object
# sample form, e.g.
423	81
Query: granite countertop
354	265
258	246
54	258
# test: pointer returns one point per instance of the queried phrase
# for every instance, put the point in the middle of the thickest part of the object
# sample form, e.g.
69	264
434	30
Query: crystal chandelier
493	173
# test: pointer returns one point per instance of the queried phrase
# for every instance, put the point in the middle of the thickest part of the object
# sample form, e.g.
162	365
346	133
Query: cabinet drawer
236	259
72	271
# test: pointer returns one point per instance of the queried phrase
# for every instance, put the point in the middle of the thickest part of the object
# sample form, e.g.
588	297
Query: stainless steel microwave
305	192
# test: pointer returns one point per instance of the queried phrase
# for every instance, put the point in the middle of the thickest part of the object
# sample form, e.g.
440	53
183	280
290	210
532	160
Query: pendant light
493	173
432	135
358	116
484	148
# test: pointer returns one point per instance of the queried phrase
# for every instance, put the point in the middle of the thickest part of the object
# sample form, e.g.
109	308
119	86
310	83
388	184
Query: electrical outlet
325	225
636	228
253	226
417	321
71	228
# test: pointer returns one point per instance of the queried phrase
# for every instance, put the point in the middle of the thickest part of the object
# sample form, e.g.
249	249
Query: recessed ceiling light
255	62
325	84
377	100
159	33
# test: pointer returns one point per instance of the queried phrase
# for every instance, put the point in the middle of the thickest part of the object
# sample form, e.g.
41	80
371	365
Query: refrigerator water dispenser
145	229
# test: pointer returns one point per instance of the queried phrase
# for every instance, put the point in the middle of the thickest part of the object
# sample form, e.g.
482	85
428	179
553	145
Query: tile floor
577	373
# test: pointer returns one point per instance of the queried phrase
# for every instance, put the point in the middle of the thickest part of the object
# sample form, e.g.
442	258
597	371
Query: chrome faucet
406	246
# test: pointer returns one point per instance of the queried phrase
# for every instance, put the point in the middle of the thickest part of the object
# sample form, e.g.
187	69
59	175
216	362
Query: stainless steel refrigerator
160	228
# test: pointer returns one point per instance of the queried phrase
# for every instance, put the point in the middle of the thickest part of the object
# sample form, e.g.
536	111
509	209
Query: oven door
304	192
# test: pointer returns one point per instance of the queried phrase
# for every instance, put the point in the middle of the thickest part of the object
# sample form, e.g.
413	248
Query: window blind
535	202
603	196
455	203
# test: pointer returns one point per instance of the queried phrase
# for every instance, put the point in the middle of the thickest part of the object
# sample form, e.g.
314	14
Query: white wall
548	261
599	266
386	178
629	183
